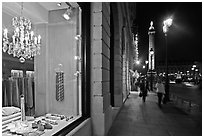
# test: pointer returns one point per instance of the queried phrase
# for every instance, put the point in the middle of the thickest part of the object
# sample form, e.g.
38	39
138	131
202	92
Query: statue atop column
151	26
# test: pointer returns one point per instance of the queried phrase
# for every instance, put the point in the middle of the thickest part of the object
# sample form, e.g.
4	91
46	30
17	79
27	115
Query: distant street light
146	62
138	62
167	23
194	69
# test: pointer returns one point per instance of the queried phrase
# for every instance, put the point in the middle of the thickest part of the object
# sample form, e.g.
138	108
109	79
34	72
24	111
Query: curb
185	104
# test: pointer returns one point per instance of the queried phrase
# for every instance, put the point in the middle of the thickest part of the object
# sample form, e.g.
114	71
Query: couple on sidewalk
160	90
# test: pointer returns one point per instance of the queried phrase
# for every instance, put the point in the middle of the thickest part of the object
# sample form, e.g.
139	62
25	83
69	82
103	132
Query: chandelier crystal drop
23	43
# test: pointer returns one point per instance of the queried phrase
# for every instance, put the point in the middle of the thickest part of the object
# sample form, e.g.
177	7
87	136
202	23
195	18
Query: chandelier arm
21	8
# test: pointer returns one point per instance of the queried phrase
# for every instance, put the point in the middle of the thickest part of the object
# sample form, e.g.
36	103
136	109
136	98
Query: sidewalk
147	119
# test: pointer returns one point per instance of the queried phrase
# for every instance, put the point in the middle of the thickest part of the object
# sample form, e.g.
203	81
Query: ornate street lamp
167	23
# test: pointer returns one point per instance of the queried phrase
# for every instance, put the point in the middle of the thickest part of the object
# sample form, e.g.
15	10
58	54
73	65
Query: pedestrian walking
144	88
160	89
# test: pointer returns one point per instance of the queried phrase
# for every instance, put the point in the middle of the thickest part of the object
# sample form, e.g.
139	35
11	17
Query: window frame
85	104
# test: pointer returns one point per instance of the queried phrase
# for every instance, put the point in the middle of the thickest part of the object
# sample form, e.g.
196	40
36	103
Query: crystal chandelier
23	43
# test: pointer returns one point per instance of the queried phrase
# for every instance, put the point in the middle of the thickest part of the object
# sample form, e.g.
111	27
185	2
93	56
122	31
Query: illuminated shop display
136	49
46	98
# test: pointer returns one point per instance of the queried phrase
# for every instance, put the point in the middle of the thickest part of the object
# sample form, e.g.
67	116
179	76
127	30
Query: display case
49	96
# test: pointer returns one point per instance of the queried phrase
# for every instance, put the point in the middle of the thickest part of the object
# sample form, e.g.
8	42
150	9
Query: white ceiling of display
52	5
37	12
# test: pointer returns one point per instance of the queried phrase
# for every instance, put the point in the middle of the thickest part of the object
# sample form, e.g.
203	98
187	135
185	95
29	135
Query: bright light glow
77	58
143	66
137	62
66	16
165	29
136	47
168	22
173	82
146	62
68	13
77	37
196	70
188	84
59	4
194	66
136	38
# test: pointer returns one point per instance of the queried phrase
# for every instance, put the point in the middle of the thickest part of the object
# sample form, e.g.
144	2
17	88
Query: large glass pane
42	95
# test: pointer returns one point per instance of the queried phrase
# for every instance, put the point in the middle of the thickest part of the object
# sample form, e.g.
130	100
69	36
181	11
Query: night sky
184	36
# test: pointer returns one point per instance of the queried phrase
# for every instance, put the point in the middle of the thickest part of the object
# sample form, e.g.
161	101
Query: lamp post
144	70
151	55
167	23
146	62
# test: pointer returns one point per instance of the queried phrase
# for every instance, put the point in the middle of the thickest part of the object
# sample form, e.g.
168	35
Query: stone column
151	34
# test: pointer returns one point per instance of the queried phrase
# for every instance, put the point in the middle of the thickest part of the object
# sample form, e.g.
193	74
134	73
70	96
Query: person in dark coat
144	88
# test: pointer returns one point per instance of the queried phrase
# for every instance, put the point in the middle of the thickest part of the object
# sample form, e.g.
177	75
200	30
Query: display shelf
47	132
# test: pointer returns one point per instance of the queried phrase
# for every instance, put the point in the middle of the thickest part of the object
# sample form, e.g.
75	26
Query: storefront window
44	94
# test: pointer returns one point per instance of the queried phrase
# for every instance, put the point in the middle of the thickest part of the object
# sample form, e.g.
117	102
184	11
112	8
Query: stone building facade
102	112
